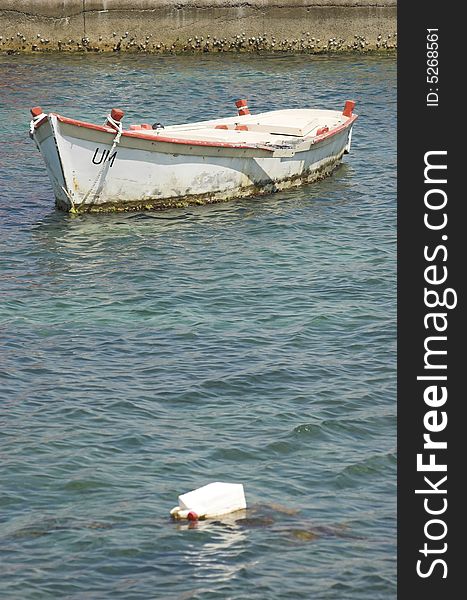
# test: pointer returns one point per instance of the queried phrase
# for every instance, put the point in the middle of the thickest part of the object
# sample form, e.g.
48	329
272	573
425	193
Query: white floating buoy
211	500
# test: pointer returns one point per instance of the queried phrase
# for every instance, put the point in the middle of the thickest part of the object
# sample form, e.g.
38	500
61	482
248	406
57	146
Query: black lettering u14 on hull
104	155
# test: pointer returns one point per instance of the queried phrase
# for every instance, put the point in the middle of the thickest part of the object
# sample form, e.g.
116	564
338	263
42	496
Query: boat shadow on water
333	191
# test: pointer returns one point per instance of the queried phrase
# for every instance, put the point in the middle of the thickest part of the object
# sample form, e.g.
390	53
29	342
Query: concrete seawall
161	26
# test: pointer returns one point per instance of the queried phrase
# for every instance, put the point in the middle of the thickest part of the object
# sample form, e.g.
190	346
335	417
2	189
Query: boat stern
348	112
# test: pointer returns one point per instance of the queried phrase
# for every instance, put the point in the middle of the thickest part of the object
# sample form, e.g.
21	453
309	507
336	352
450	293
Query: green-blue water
144	355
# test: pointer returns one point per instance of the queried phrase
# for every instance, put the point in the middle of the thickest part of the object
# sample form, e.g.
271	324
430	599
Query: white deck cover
264	127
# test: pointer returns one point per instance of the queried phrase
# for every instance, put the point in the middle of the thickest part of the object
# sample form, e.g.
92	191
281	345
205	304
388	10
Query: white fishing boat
96	168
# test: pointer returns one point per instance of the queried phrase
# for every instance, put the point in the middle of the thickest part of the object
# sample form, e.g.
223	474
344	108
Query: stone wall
198	25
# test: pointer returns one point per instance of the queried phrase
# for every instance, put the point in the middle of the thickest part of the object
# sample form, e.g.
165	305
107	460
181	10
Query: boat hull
89	172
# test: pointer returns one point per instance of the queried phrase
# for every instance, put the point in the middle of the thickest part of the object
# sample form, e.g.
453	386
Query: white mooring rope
105	163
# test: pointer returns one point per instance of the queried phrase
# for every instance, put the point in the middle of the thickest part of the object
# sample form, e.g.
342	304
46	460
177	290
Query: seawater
144	355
